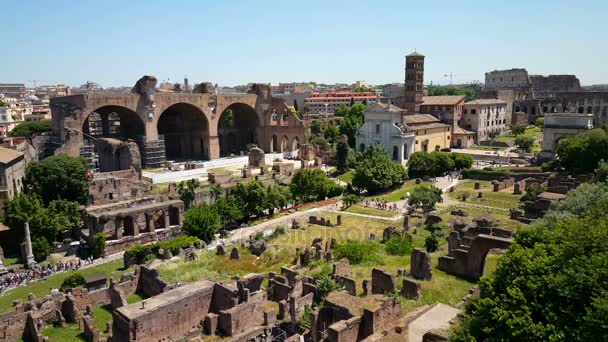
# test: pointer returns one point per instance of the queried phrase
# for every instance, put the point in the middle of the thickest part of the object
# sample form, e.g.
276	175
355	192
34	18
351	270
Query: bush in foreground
74	280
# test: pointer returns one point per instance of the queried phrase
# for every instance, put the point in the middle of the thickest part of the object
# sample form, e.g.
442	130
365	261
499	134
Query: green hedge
484	174
144	253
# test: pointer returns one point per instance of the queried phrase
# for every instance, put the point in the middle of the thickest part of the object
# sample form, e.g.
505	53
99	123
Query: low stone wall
243	316
150	283
503	184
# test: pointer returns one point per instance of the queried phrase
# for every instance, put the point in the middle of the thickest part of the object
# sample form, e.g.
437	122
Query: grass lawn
534	132
134	298
217	268
486	148
359	209
347	177
396	195
503	199
71	333
101	315
43	287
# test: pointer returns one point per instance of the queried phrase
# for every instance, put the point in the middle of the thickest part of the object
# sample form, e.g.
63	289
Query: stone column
29	258
214	147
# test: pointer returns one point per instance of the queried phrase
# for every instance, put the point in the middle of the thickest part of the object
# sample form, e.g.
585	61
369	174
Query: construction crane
35	82
451	77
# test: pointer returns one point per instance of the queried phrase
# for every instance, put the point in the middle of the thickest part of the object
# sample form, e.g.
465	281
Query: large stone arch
237	126
185	130
111	121
284	144
295	143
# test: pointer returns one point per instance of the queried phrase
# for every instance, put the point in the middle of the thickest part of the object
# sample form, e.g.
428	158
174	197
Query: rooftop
486	102
419	119
134	311
415	54
443	100
7	155
97	277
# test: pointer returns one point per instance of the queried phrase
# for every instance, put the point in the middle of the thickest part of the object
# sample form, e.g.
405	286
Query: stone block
420	265
411	289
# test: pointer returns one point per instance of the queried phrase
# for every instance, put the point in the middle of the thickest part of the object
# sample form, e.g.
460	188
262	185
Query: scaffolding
152	151
88	152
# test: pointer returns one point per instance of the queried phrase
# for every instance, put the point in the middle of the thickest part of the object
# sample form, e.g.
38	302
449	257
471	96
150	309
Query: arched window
395	153
405	156
361	147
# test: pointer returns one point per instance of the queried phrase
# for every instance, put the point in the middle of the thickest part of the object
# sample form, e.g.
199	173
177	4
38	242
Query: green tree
551	285
532	192
312	185
350	200
525	143
518	129
436	163
461	161
342	150
187	191
331	133
316	127
583	152
31	129
277	197
41	249
251	197
431	243
470	91
216	191
74	280
601	173
229	209
492	135
99	245
202	221
539	122
425	197
376	172
59	177
44	222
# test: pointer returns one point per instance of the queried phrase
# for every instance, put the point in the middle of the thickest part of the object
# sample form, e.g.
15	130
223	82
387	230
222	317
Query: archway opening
274	145
128	226
186	132
174	218
295	144
237	128
284	144
109	122
113	122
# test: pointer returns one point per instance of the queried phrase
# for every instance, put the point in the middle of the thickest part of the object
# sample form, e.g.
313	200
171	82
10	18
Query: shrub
75	279
99	245
350	200
518	129
399	246
141	253
325	285
525	143
425	197
41	249
532	192
306	319
202	221
431	243
463	195
358	252
174	245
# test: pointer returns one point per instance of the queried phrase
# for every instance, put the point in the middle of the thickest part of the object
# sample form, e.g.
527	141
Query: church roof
443	100
419	119
485	102
383	107
415	54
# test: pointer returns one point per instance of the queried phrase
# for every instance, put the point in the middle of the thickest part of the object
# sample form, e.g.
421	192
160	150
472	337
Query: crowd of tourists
14	279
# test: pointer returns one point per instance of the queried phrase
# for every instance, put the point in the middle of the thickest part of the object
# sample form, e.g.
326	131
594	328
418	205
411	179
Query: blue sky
234	42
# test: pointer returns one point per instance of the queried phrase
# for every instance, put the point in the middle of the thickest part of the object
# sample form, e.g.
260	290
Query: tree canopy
376	172
59	177
312	185
436	163
470	91
583	152
30	129
425	197
552	283
202	221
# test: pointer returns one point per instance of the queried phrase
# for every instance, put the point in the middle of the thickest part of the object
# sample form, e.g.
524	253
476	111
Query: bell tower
414	78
